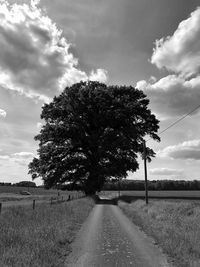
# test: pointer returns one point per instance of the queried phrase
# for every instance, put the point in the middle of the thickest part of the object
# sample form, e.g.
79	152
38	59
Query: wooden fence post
51	202
33	204
0	207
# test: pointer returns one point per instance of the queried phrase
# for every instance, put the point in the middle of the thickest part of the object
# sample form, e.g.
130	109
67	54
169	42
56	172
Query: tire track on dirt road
108	239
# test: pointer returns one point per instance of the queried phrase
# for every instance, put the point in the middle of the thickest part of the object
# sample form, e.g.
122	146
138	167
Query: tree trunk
91	184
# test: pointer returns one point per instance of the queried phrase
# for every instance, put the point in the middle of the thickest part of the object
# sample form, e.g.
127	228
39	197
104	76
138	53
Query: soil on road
108	238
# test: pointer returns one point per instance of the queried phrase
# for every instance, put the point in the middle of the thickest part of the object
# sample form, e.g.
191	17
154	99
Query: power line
144	145
177	121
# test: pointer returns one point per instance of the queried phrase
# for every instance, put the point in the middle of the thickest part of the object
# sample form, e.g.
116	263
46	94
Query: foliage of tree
91	133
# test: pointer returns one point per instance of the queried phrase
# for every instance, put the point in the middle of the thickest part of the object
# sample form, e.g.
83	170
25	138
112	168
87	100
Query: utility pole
119	187
145	172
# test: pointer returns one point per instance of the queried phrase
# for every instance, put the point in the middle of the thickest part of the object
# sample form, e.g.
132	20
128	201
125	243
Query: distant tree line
153	185
124	185
5	184
22	184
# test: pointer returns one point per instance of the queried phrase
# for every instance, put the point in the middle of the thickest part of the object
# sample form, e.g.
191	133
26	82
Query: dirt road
108	238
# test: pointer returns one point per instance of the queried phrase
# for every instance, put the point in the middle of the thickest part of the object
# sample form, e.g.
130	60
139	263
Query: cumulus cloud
34	55
165	171
100	75
181	51
186	150
172	95
178	93
2	113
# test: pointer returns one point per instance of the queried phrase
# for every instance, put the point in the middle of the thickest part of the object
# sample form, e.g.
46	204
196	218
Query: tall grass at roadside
40	238
174	225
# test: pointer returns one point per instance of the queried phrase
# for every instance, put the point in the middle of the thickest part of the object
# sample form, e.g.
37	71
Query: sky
153	45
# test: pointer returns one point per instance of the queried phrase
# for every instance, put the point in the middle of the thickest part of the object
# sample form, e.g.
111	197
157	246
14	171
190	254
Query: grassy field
41	237
155	194
174	225
12	194
32	190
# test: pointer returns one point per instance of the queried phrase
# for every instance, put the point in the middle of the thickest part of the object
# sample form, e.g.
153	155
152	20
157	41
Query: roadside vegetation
173	225
41	237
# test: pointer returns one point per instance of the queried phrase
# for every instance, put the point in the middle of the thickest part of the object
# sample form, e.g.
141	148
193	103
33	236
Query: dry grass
41	237
174	225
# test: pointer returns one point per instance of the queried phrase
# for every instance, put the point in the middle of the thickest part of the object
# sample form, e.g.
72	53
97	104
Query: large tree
91	133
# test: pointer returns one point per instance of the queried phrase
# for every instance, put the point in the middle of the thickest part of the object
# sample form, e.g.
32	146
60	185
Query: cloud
39	125
23	155
100	75
186	150
181	51
165	171
172	95
20	158
2	113
34	55
176	94
2	157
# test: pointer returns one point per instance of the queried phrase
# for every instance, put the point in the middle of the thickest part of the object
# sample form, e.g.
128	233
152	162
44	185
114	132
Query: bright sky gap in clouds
46	45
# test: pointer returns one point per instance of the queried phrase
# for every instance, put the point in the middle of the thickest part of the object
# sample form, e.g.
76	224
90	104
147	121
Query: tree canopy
91	133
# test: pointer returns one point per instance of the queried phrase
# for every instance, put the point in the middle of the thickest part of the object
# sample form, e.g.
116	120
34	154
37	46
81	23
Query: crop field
131	195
